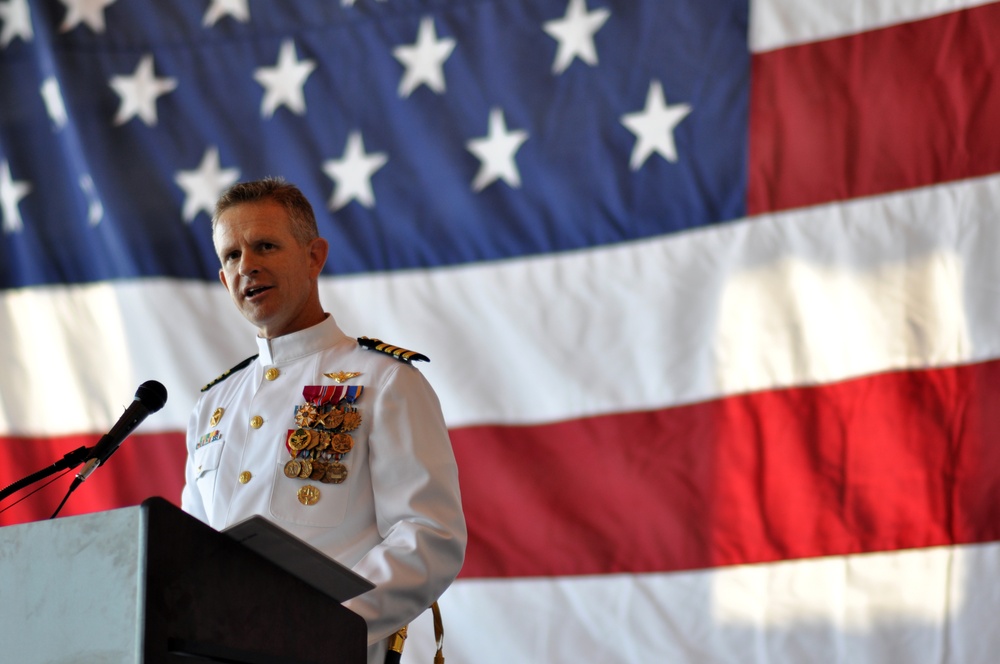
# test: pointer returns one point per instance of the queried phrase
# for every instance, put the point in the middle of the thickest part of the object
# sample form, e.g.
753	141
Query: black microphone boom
149	398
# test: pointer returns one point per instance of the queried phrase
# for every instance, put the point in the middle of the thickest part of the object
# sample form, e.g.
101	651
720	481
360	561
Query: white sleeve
418	505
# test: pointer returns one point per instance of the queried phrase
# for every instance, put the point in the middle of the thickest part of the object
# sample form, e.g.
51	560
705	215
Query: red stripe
895	108
145	465
880	463
887	462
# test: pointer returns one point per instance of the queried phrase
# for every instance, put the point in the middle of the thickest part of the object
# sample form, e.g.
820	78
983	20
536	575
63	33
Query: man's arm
417	504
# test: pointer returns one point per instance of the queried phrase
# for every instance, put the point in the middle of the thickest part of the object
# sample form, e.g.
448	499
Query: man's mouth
253	291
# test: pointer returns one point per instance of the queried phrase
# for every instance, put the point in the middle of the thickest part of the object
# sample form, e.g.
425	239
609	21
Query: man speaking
339	441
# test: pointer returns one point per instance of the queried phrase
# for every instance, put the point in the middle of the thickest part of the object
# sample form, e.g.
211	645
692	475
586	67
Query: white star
11	193
654	127
575	34
90	12
496	152
424	59
139	92
352	173
16	22
95	209
283	82
203	186
52	96
238	9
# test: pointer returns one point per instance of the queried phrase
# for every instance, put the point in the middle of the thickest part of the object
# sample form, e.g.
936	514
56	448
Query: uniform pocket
206	466
206	459
327	511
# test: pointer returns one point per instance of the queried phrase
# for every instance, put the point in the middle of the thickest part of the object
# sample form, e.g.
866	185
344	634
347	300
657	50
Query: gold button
256	421
271	373
245	477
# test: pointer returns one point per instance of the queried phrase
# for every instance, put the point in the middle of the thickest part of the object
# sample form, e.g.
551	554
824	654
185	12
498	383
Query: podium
152	584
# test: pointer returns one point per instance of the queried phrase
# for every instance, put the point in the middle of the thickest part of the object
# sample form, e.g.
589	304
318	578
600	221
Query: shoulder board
397	352
242	365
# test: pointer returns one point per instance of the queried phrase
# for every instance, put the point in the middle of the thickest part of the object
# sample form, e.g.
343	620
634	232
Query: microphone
149	398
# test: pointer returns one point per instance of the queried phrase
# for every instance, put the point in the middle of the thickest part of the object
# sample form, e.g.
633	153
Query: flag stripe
831	292
779	23
145	465
879	111
922	606
885	462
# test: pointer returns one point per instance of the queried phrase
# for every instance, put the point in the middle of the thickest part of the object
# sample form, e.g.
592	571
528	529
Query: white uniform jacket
397	517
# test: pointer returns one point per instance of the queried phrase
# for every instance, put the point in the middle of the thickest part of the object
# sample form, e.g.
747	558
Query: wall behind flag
708	289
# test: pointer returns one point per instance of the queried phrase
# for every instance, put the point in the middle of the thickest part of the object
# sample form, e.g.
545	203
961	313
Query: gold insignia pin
216	416
308	495
341	376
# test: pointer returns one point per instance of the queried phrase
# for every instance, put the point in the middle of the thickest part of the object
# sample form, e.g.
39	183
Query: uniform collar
299	344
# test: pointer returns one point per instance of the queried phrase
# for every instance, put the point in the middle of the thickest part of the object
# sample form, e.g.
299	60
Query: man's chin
257	318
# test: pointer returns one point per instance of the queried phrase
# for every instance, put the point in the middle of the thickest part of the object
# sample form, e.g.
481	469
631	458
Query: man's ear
319	249
222	278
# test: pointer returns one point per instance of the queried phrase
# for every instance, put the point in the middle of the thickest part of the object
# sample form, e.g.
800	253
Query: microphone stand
70	460
149	398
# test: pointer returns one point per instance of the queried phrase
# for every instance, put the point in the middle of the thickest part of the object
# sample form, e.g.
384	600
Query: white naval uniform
396	520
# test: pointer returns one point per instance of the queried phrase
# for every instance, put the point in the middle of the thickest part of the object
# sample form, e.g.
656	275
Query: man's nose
248	265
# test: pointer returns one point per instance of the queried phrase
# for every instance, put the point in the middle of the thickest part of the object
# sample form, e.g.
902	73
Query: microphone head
152	395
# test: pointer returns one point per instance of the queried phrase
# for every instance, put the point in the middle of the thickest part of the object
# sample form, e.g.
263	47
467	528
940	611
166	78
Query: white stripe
74	356
805	297
924	606
779	23
811	296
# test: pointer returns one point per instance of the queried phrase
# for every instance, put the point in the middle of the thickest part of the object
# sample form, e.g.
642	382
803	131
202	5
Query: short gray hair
285	194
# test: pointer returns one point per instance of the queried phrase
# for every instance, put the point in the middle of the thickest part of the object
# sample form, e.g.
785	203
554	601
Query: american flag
709	289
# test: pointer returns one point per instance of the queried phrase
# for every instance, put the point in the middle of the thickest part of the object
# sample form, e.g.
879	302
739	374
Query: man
341	445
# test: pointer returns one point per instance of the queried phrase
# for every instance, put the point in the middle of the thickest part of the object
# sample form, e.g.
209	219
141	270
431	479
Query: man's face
269	274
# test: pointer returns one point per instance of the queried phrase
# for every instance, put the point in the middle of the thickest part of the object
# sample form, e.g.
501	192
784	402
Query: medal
352	420
342	443
324	440
308	495
299	439
336	473
333	419
318	470
321	439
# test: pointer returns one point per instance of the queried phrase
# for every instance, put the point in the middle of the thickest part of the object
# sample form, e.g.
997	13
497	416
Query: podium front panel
70	589
152	584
